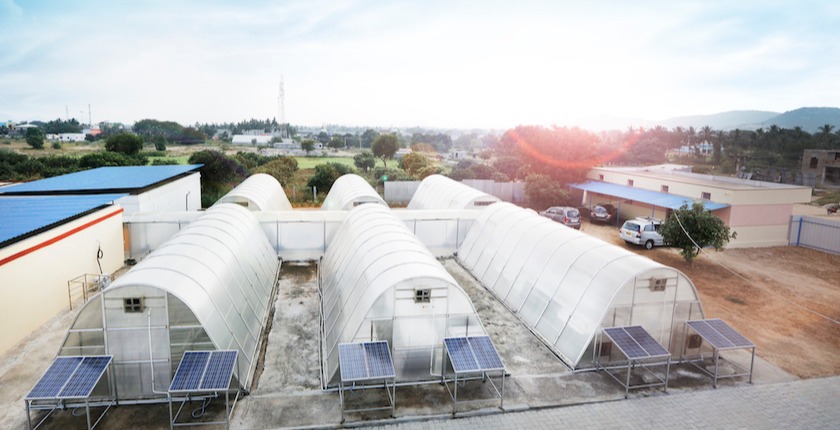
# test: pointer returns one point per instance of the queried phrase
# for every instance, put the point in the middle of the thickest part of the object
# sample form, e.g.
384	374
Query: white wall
180	195
34	272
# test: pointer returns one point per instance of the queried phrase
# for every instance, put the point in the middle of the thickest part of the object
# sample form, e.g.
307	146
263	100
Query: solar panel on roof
365	360
204	371
70	377
719	334
635	342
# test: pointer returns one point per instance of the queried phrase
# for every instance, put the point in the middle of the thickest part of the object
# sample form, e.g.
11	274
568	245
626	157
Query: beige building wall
34	272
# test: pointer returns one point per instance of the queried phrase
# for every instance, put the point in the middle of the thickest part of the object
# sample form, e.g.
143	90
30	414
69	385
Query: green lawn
311	162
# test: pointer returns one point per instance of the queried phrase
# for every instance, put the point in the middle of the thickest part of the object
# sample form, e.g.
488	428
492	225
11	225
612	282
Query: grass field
311	162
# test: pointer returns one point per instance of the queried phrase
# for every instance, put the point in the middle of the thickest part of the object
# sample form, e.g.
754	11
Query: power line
714	260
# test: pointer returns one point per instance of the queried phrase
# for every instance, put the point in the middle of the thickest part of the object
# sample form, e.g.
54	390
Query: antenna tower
281	109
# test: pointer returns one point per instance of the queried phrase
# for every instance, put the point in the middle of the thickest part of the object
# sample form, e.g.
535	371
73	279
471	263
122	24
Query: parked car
568	216
642	231
603	212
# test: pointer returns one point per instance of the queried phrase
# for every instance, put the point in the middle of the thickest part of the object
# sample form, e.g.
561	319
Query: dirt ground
771	295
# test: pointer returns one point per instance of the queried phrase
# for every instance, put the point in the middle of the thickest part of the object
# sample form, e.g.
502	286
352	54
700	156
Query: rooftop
670	173
25	216
124	179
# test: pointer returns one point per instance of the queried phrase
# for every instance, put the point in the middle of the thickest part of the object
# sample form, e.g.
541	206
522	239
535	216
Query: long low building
758	211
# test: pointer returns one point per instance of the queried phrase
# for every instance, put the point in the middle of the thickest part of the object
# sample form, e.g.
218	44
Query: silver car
642	231
568	216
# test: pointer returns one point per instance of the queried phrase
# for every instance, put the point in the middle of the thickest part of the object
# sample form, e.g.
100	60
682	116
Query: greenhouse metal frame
378	282
210	287
566	285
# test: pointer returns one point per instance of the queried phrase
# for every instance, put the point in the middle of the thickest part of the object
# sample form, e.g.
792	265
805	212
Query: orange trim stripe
59	237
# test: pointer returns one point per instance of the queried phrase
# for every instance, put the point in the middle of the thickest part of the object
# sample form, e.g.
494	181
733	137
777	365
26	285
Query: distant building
66	137
250	139
821	168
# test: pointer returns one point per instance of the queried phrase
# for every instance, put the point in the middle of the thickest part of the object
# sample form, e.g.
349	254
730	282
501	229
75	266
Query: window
706	196
658	284
600	177
629	182
814	162
664	188
133	305
423	296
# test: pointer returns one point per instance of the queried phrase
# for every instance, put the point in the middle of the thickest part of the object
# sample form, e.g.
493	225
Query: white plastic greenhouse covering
208	288
259	192
350	191
567	285
440	192
380	283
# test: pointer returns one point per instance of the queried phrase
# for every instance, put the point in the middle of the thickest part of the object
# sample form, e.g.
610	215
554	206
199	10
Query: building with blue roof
758	211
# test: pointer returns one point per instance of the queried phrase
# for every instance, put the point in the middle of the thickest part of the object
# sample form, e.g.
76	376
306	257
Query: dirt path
765	299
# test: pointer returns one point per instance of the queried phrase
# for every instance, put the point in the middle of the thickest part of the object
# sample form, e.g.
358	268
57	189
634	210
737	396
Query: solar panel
635	342
485	353
473	354
461	355
379	360
84	379
70	377
204	371
365	360
219	371
719	334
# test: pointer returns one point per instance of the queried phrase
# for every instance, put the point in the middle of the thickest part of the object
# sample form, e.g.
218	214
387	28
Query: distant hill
809	118
743	119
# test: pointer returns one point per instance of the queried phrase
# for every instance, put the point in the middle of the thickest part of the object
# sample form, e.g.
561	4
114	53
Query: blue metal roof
21	216
653	198
103	179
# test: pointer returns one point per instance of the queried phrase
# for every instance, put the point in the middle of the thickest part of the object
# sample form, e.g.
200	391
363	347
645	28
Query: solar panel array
70	377
635	342
473	354
204	371
719	334
365	360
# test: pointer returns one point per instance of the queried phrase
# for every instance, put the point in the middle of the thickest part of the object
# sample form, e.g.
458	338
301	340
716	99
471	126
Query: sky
429	63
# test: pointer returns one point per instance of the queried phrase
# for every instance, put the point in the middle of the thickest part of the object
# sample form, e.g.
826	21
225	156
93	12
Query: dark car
568	216
603	212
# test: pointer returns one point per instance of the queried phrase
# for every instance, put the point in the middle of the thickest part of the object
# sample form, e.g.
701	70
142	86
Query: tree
307	145
282	168
326	174
368	137
543	192
384	147
35	138
336	142
364	161
691	229
218	173
414	162
125	143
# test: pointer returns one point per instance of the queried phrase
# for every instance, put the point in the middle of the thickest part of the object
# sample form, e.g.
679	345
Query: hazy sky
404	63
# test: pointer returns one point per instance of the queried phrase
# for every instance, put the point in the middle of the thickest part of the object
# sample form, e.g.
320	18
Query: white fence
813	232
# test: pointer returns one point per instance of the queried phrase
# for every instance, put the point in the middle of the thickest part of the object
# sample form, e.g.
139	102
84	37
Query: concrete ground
287	390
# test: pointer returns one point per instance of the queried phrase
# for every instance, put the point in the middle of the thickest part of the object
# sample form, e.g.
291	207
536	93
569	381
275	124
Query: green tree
364	161
384	147
307	145
336	142
125	143
543	192
414	162
368	137
691	229
35	138
282	168
326	174
218	174
101	159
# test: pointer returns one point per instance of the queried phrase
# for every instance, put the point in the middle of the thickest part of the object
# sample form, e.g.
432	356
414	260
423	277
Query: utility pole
281	108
